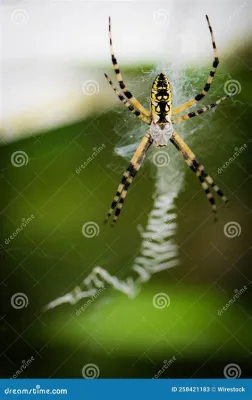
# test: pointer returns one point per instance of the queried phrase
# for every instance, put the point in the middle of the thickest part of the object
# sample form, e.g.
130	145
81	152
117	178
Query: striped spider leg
198	112
119	78
198	169
139	114
128	177
209	81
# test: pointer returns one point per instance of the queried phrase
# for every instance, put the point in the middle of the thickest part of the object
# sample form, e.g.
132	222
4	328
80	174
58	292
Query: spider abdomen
161	133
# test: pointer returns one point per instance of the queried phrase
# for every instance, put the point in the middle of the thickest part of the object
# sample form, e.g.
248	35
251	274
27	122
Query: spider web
158	250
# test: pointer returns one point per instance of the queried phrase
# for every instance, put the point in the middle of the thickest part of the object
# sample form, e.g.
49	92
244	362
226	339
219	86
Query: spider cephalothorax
160	119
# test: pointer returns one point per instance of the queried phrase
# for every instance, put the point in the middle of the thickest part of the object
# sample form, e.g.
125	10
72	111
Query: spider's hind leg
123	186
124	192
189	162
197	168
202	173
128	177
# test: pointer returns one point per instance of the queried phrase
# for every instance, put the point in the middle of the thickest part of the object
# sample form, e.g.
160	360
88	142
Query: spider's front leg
138	106
209	81
128	177
198	169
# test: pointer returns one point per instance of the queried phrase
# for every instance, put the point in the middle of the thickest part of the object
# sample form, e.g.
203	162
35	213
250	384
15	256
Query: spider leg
119	78
209	81
127	104
201	179
201	172
198	112
128	177
200	169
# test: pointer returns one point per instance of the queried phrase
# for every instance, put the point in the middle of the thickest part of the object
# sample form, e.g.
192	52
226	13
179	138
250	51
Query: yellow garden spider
161	120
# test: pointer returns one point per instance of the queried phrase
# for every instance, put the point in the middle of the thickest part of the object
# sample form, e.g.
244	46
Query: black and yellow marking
119	78
161	98
128	177
202	172
209	81
201	179
203	184
198	112
197	168
127	104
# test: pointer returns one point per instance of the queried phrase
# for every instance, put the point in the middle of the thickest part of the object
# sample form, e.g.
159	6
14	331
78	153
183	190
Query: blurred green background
128	337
